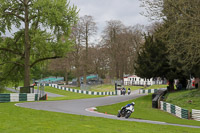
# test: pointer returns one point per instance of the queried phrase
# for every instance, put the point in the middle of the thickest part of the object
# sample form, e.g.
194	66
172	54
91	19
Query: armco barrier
141	91
196	114
81	91
16	97
176	110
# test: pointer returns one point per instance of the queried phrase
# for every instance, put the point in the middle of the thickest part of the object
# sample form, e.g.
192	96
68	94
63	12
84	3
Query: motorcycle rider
129	108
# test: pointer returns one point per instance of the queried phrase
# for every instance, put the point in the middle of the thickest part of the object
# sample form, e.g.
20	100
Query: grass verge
22	120
3	90
66	94
144	110
7	91
102	88
188	99
107	87
156	86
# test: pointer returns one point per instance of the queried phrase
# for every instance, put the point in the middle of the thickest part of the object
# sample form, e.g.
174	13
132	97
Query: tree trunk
117	70
171	85
77	65
27	48
183	81
84	78
86	57
66	76
77	74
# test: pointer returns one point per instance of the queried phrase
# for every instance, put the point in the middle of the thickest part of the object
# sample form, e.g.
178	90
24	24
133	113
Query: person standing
129	91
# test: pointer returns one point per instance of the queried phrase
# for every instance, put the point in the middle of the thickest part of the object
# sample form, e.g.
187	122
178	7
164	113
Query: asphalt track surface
86	107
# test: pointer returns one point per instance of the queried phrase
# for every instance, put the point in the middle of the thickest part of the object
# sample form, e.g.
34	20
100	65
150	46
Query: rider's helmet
133	103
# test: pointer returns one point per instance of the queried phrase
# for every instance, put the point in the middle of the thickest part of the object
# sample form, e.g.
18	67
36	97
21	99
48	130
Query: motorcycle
125	112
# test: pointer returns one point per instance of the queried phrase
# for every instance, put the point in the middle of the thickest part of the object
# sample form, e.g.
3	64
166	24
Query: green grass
6	91
133	87
156	86
66	94
78	88
182	98
99	88
144	110
21	83
107	87
2	90
22	120
102	88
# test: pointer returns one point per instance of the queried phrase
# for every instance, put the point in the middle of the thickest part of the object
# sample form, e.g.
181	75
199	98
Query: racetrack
84	107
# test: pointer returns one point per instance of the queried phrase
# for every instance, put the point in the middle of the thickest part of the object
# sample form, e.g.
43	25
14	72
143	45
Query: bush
2	89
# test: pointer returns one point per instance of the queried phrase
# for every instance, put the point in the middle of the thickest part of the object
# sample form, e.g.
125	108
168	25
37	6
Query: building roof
132	76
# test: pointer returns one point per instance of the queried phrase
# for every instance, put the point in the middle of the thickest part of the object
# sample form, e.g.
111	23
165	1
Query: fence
142	83
16	97
141	91
176	110
196	114
81	91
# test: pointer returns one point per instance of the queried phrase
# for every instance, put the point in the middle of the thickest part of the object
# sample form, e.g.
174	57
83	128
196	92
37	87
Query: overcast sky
127	11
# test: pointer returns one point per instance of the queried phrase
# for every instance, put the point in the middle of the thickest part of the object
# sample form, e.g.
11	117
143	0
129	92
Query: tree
181	19
99	60
62	66
180	31
44	27
152	59
77	52
153	62
112	31
122	44
88	29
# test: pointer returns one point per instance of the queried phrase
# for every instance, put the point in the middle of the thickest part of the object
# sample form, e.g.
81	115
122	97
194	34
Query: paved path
84	107
12	90
53	95
49	94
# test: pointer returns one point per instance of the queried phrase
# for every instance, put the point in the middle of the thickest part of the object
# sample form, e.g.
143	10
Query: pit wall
175	110
17	97
142	91
180	112
196	114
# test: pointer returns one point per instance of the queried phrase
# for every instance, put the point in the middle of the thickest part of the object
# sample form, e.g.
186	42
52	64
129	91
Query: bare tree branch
11	13
11	62
42	59
32	17
11	51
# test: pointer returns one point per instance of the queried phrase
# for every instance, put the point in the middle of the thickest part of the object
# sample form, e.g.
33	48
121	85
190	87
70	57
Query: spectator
129	91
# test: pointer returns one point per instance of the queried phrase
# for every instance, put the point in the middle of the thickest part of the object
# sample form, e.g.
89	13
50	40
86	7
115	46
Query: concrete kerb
105	115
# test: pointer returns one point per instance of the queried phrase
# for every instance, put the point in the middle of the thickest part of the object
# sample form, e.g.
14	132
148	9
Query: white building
135	80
